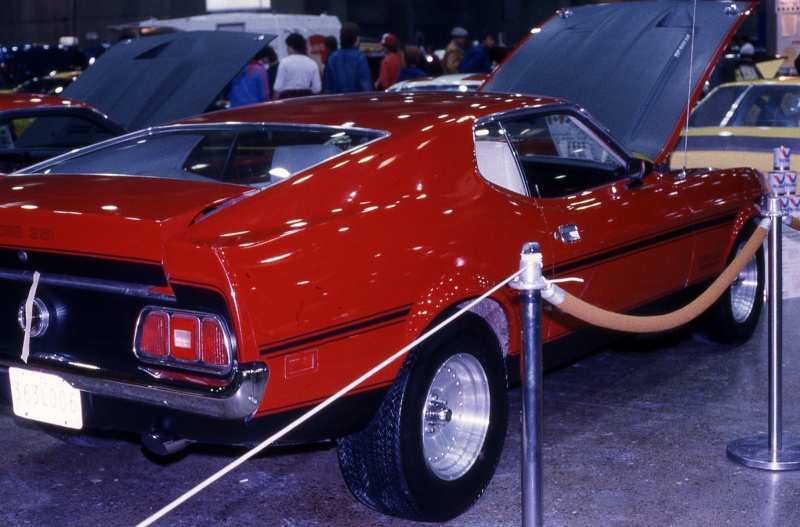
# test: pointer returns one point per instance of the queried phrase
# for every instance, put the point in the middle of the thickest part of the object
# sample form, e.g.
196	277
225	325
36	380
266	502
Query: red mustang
211	280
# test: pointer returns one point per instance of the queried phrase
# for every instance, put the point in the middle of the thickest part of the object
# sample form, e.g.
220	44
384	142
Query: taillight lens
214	349
154	338
185	340
185	336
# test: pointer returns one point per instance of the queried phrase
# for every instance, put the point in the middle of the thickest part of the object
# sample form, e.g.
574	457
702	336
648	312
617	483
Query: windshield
256	157
761	105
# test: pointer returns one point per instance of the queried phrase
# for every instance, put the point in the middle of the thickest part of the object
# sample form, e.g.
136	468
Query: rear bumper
238	404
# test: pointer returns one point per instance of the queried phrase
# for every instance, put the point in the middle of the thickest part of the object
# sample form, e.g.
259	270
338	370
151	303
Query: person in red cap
391	64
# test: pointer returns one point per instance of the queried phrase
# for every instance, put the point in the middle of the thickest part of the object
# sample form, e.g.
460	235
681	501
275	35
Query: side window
6	136
560	155
772	106
27	140
57	132
715	110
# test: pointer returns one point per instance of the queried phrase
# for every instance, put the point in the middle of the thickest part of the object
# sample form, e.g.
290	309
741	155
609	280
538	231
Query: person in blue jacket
477	58
346	69
251	84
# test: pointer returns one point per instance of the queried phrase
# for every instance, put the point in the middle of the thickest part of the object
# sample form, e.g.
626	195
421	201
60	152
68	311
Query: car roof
646	52
395	112
20	101
451	82
156	79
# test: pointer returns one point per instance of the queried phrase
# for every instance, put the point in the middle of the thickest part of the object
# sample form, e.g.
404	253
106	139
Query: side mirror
636	168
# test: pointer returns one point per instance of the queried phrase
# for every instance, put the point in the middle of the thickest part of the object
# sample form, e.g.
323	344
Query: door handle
569	233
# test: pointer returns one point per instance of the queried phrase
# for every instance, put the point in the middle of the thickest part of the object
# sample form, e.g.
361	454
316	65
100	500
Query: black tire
734	317
386	467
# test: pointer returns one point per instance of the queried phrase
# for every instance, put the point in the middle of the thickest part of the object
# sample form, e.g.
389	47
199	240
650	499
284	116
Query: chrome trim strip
240	405
122	288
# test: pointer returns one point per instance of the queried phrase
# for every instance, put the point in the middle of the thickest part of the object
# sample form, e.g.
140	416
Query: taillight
154	336
183	339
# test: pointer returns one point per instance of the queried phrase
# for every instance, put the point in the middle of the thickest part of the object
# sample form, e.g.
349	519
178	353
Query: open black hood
157	79
629	64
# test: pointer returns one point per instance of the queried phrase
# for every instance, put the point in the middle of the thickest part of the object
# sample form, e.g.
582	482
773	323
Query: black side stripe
615	253
366	324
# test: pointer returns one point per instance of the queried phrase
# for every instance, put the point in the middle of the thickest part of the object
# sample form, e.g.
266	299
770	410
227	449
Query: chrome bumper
240	404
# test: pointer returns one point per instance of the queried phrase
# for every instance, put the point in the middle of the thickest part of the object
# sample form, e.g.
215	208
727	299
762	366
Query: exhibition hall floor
635	435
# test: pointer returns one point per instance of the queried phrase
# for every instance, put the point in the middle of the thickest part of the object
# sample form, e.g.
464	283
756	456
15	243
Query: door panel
631	244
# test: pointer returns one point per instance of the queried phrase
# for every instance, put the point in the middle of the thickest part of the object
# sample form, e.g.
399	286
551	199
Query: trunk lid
102	216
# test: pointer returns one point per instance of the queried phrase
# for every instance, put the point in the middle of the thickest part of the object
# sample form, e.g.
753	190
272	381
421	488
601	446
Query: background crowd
345	68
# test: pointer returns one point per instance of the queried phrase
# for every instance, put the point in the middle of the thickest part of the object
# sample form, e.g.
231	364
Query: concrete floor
633	436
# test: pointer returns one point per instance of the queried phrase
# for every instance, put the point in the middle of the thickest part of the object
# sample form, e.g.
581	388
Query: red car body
202	298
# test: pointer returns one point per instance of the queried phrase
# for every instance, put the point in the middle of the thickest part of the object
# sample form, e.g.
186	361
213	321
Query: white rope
317	409
26	341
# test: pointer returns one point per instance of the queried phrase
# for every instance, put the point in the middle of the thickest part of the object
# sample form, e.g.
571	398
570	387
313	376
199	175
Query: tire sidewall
739	332
444	499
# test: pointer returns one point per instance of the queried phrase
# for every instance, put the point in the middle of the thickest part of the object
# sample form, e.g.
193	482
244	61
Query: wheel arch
744	217
455	292
496	317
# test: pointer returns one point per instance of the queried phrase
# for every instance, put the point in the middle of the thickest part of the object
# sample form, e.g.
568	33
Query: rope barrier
317	409
651	324
556	296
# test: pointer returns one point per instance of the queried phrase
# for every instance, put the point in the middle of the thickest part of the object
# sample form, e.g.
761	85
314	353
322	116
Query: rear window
254	157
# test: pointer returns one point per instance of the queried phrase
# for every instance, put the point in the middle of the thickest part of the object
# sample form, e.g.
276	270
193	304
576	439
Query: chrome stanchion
773	451
530	284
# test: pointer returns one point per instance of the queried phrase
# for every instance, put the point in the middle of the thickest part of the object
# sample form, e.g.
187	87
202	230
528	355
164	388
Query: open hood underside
157	79
629	64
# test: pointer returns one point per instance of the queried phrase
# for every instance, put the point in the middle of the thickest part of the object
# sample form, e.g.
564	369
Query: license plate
46	398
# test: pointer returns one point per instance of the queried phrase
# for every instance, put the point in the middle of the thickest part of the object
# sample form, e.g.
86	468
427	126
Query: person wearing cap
454	51
391	64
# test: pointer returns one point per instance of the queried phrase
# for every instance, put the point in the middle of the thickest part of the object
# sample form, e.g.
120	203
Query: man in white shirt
298	74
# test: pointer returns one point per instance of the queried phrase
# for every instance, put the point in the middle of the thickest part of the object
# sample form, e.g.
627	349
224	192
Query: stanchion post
773	451
530	284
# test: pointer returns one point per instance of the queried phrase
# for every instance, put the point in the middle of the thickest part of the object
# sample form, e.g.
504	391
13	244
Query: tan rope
648	324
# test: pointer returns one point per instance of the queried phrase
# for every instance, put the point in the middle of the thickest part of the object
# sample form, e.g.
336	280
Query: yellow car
741	124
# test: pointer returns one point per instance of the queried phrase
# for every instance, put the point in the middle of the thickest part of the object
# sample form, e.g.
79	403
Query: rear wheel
735	315
433	446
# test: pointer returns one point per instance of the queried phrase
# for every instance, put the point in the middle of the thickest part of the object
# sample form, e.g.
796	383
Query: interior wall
91	21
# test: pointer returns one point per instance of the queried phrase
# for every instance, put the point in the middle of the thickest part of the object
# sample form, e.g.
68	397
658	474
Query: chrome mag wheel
744	290
456	418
